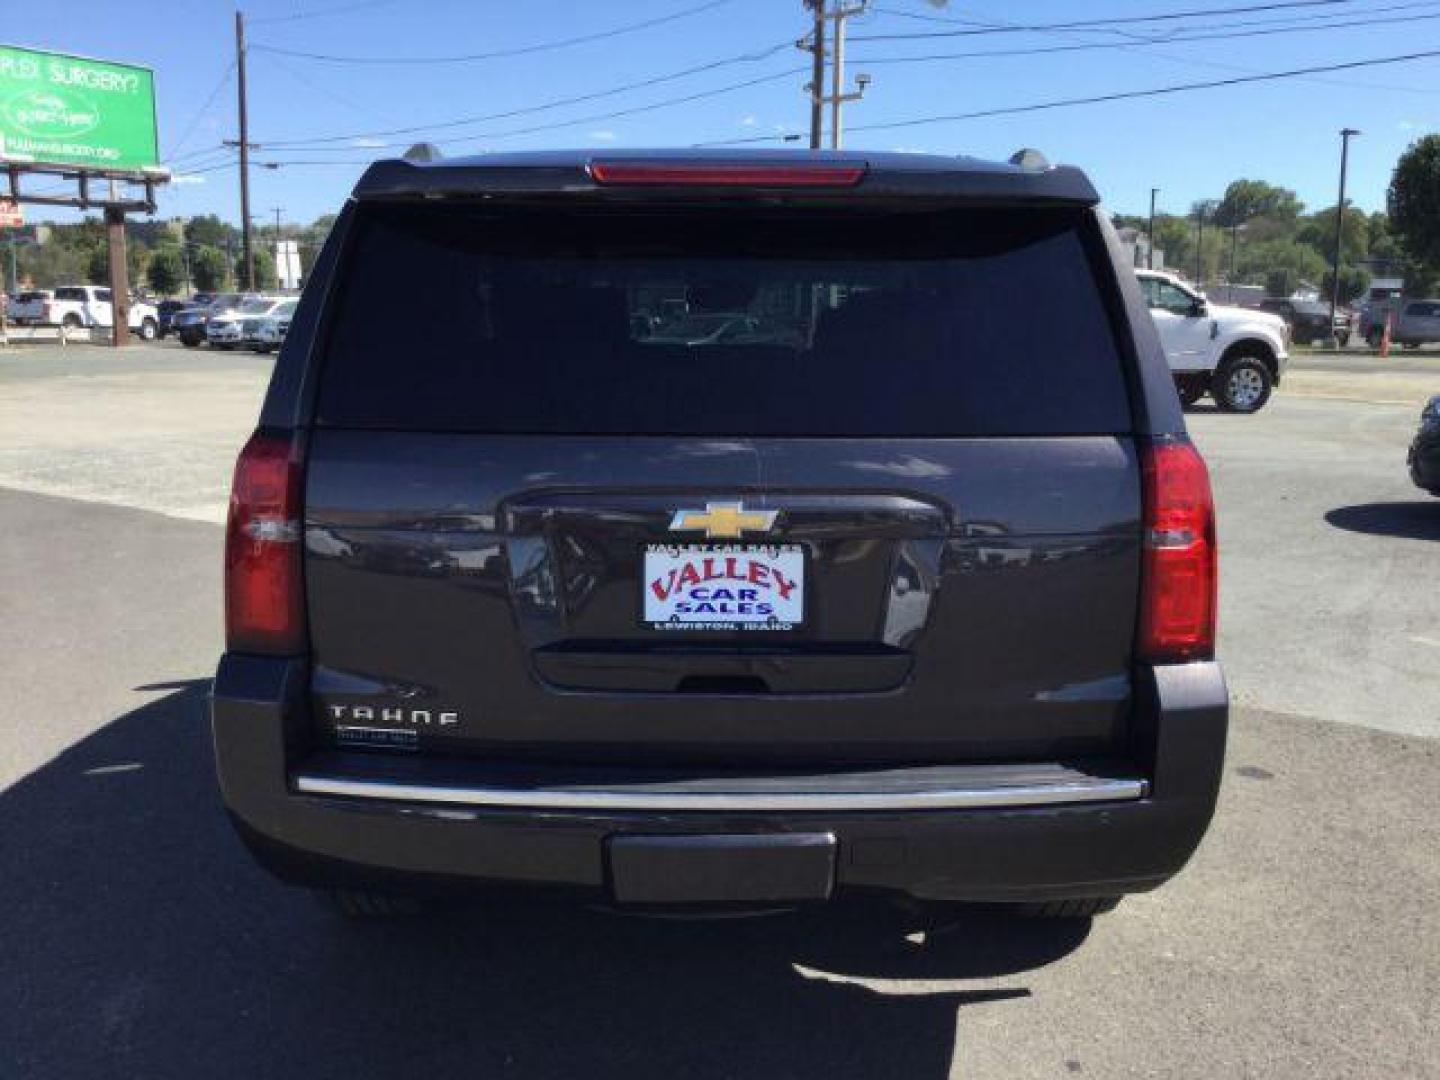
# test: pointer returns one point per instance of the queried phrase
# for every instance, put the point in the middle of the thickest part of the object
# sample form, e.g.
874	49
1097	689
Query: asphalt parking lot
1304	940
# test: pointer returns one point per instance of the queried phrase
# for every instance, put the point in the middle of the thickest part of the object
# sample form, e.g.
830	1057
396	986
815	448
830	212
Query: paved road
1304	941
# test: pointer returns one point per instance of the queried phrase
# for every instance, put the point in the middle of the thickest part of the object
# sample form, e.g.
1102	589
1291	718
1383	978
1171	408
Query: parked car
193	323
1424	455
1237	355
516	596
27	308
1309	320
1412	323
80	307
267	333
166	311
226	329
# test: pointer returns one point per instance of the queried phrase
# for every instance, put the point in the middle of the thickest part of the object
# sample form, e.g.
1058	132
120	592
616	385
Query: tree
137	260
1354	280
208	230
264	267
166	272
1246	199
97	266
1413	200
1281	264
1318	231
210	269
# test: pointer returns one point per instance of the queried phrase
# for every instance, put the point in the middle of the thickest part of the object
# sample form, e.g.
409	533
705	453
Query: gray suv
907	589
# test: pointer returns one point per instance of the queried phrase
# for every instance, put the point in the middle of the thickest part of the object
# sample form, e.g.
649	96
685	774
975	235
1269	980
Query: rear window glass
721	323
70	294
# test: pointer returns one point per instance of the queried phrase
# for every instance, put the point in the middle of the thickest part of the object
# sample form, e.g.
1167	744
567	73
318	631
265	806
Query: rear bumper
1128	837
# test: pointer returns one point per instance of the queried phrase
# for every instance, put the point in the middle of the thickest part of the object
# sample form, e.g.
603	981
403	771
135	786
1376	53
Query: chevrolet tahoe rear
722	530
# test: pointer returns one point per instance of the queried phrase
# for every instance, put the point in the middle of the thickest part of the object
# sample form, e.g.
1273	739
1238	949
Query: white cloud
367	142
748	121
603	136
187	178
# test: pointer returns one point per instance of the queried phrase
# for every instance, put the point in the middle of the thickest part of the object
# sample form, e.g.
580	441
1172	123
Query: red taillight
264	609
1177	618
739	174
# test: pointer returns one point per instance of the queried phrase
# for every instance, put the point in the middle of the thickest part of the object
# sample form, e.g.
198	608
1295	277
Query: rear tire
1191	389
366	905
71	323
1086	907
1242	384
149	330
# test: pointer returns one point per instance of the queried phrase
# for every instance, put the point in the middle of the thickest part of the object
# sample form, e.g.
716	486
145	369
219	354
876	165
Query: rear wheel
1191	388
71	322
149	330
1242	384
1085	907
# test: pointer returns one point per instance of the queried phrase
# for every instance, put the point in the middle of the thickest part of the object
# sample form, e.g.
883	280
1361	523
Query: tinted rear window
721	323
70	294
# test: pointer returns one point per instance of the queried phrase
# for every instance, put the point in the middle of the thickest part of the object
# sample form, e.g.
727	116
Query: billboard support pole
119	272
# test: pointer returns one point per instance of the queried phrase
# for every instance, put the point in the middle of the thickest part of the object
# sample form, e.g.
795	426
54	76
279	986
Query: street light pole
1199	244
1345	136
1150	247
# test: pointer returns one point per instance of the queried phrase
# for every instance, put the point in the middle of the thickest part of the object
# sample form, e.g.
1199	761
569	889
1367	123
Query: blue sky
1189	145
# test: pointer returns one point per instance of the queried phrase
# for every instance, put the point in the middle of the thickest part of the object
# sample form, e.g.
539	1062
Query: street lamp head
1348	132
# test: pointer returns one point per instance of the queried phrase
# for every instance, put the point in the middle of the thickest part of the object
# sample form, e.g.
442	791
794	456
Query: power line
320	13
712	65
633	111
1100	24
200	113
522	50
1122	95
1143	43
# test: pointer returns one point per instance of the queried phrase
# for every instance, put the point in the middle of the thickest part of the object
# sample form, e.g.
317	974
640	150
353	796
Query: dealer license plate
723	586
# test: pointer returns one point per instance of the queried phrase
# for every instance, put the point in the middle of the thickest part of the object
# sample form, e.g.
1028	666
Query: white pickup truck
79	307
1235	354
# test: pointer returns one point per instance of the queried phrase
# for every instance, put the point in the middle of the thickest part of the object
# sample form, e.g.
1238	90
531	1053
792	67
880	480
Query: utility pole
244	151
1345	135
816	87
837	70
1150	247
277	211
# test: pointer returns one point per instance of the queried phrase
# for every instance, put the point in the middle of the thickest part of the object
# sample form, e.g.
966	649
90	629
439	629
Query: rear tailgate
723	484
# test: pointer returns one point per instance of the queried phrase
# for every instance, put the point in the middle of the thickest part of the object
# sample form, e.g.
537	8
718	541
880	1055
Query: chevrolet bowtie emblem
723	520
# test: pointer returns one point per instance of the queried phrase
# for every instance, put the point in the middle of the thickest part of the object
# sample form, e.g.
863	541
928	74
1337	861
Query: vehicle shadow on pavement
1408	520
139	940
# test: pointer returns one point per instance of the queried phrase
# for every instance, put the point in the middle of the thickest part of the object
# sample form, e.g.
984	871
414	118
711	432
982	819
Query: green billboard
67	110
